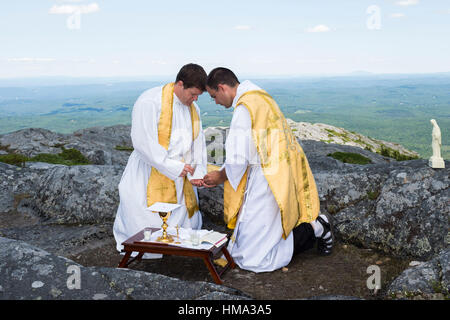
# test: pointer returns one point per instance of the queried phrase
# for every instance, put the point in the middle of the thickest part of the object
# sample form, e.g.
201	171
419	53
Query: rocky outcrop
335	135
30	273
62	194
101	145
424	280
79	194
18	185
400	208
397	207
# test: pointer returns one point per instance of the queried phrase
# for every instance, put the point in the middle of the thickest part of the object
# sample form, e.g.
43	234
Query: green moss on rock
349	157
68	157
14	159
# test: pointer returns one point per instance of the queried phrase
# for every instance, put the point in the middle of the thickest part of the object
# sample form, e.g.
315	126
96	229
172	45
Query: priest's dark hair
192	76
221	76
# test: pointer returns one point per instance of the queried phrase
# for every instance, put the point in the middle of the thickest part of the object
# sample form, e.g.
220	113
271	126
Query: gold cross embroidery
162	188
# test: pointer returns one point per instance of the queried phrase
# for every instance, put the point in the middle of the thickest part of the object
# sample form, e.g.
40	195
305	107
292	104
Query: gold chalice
165	237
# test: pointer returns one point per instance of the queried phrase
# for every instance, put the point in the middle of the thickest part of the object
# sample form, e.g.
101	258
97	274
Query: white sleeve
237	146
144	135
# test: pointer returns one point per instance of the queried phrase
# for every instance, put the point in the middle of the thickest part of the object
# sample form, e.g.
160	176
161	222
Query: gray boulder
61	194
32	141
101	145
58	208
30	273
8	176
18	185
401	209
428	280
64	240
79	194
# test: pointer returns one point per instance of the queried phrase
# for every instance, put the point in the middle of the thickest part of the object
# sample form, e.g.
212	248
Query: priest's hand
197	182
187	169
207	185
214	178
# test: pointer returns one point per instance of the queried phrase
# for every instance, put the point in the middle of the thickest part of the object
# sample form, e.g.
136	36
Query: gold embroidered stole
283	162
160	188
228	203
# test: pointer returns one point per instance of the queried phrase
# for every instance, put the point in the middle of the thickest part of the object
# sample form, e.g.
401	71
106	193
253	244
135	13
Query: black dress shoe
325	241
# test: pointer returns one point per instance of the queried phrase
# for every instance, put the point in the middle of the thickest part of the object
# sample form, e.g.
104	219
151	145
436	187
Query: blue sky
109	38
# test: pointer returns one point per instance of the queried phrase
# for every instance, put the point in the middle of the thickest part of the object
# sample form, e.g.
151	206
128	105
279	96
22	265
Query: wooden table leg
139	257
229	257
123	263
212	269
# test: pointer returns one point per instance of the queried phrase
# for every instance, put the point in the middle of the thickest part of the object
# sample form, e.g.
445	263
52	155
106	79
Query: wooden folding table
135	244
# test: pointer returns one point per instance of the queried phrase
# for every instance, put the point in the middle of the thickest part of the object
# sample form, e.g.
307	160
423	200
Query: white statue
436	160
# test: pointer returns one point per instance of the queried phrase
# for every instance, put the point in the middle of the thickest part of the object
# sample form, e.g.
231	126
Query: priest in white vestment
184	156
256	243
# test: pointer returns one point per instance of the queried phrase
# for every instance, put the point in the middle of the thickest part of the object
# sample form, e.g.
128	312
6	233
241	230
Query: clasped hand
195	182
211	179
201	183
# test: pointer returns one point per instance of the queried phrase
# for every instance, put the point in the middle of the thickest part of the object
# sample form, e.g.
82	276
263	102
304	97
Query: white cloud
242	27
159	62
379	60
318	28
262	61
80	60
316	60
397	15
407	2
71	9
30	60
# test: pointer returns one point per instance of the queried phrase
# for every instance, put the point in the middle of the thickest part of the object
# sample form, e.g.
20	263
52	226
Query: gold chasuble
160	188
283	162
